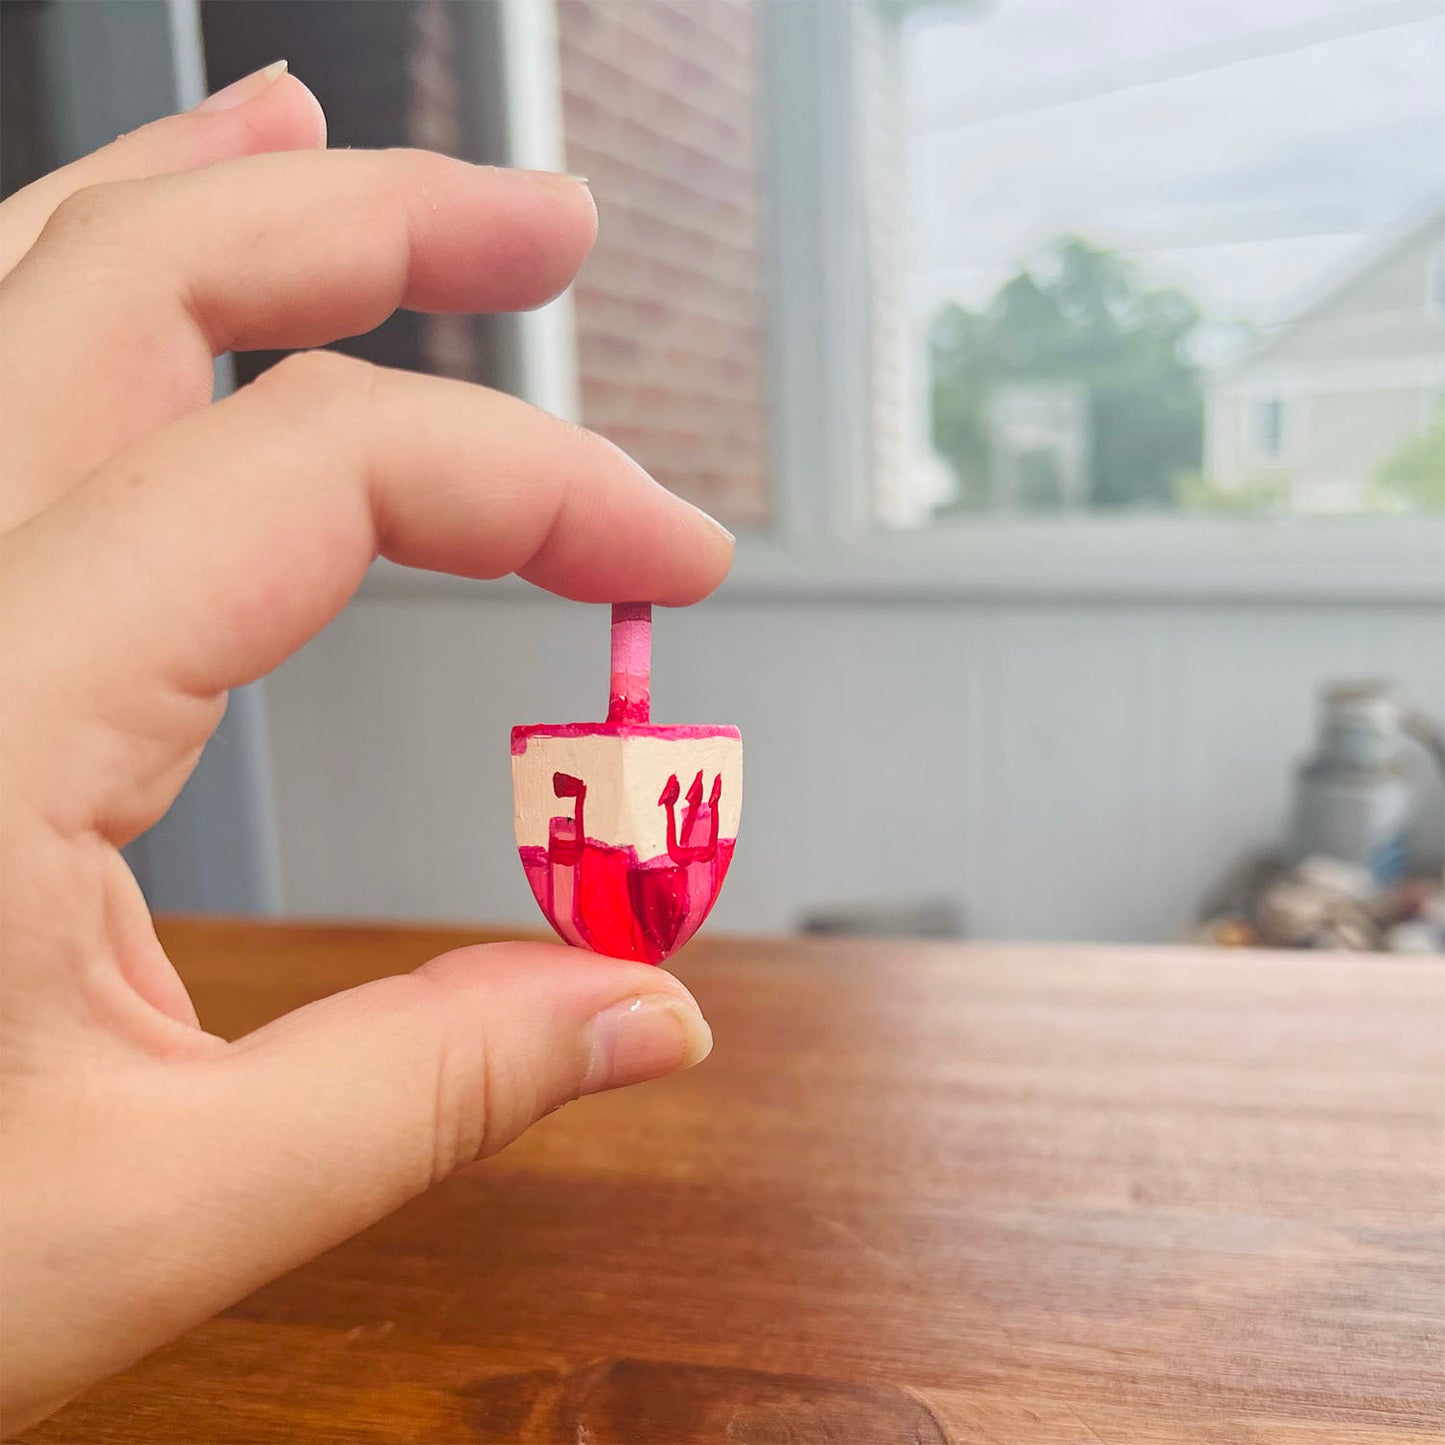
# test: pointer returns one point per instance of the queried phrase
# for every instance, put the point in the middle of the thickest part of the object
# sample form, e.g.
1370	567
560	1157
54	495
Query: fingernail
548	177
644	1038
240	91
714	523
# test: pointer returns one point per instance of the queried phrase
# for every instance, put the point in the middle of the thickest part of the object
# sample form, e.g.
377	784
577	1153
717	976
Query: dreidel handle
630	694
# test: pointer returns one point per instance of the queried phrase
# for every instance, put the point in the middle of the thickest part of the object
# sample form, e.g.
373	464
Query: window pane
1174	258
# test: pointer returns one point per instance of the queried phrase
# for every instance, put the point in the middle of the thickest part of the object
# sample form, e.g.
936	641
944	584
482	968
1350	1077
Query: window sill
1371	561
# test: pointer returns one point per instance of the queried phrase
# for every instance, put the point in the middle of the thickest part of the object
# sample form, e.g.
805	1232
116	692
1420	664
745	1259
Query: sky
1248	150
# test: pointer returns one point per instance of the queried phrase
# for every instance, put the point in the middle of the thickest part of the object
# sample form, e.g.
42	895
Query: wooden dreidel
626	829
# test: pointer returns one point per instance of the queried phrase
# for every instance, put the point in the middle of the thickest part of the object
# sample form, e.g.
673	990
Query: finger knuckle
91	214
323	384
464	1091
482	1093
320	372
600	449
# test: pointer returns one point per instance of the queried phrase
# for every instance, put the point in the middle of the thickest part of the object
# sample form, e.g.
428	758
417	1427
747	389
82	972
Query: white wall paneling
1075	771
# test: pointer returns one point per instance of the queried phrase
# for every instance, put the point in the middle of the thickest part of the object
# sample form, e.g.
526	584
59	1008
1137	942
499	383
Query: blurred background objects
1073	376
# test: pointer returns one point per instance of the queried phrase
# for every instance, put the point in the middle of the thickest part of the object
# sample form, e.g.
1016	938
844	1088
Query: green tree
962	367
1084	317
1413	479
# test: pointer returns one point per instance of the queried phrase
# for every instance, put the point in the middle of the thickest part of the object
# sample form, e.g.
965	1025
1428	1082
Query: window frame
824	537
531	87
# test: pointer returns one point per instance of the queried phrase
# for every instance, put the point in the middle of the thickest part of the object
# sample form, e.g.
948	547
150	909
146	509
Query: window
1131	228
389	73
1269	427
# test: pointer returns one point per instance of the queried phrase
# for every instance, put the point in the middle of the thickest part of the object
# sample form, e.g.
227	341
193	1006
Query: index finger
133	288
203	556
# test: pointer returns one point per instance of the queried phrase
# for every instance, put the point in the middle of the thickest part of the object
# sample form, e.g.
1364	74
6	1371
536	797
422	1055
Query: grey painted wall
1062	771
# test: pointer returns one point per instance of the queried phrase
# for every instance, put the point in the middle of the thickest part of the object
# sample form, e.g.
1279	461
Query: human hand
158	550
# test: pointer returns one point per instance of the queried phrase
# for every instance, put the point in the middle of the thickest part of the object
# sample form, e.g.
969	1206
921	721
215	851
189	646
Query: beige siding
1381	316
1346	437
1224	437
1358	376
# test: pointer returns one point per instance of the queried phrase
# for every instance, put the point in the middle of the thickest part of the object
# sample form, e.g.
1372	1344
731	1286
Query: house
1331	394
1039	447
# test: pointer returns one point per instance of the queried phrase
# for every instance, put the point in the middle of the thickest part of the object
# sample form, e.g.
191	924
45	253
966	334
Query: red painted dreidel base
626	829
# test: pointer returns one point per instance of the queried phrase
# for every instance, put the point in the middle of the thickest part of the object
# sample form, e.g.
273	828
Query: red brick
660	108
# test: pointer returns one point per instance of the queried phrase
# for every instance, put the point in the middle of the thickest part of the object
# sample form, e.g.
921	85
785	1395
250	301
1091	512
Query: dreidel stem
630	695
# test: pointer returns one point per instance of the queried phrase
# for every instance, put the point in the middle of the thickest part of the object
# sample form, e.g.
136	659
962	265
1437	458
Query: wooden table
920	1193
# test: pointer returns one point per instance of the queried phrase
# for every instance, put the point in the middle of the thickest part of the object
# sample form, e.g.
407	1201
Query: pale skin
158	549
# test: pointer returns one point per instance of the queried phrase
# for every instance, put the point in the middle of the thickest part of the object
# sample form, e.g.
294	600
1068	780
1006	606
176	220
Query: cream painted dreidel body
626	829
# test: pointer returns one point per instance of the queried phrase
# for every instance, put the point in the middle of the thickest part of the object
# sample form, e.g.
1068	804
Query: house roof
1358	269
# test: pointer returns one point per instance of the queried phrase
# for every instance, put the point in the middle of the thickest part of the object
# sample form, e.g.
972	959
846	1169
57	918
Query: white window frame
824	539
546	336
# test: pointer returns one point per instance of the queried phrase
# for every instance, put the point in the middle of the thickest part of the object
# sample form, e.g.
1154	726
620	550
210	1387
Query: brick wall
449	344
660	114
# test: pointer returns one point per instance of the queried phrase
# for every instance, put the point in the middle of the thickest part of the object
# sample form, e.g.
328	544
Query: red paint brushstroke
623	708
522	734
566	835
686	851
626	908
604	898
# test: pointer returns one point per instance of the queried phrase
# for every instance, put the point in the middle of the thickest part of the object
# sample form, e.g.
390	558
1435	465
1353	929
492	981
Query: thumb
240	1164
337	1113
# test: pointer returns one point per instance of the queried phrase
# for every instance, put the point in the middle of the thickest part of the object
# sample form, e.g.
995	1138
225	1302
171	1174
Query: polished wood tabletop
919	1193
